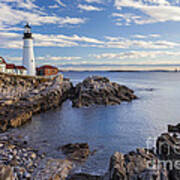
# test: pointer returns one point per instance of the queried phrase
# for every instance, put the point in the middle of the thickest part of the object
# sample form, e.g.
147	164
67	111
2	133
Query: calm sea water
109	129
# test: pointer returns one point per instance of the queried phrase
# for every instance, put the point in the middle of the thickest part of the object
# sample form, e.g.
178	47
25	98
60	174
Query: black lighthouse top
27	32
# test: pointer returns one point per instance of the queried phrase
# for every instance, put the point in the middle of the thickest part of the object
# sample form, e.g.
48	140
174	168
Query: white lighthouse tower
28	52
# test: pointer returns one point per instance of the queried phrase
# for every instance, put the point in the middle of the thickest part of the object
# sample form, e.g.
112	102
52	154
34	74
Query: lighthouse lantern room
28	52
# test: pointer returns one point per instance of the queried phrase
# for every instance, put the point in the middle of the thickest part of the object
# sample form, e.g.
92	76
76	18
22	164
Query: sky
94	34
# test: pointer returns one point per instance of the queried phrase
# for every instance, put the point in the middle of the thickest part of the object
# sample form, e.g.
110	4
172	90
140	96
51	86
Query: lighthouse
28	52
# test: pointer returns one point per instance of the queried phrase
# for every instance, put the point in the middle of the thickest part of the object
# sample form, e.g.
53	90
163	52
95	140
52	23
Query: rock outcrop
99	90
174	129
164	164
77	152
26	96
168	146
136	166
168	149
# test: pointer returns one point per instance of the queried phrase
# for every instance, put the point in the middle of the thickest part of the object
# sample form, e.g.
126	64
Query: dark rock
78	152
99	90
174	129
135	166
168	149
83	176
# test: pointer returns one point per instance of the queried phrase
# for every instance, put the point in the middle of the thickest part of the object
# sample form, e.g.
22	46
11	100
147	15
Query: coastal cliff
23	96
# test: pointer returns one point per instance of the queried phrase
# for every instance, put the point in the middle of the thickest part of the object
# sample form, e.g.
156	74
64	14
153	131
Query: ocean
109	129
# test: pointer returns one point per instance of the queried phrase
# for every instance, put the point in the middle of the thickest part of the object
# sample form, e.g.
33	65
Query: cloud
69	20
45	59
135	55
153	11
14	40
93	1
126	18
155	35
81	39
10	40
140	36
61	40
89	7
55	6
123	43
27	4
111	38
58	58
11	16
60	3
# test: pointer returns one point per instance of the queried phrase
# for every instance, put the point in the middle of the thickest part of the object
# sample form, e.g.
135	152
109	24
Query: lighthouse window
32	60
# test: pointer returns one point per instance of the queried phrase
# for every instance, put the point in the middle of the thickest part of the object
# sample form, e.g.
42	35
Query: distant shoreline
119	71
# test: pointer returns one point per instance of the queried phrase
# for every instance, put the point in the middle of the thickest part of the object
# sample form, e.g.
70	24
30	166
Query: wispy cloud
93	1
89	7
152	11
58	58
136	55
60	3
45	59
55	6
11	16
14	40
140	36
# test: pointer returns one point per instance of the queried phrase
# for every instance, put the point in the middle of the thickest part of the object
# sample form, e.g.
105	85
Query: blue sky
94	34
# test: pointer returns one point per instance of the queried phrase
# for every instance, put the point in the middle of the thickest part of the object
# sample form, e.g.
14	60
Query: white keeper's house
11	68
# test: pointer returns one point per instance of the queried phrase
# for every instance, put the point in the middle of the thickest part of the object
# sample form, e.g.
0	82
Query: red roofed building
11	68
21	70
47	70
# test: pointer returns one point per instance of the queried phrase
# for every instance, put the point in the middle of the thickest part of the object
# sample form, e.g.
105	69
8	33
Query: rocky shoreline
22	97
159	163
19	161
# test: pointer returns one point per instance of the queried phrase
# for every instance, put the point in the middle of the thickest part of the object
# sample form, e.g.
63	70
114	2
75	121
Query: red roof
20	67
3	61
10	66
47	67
